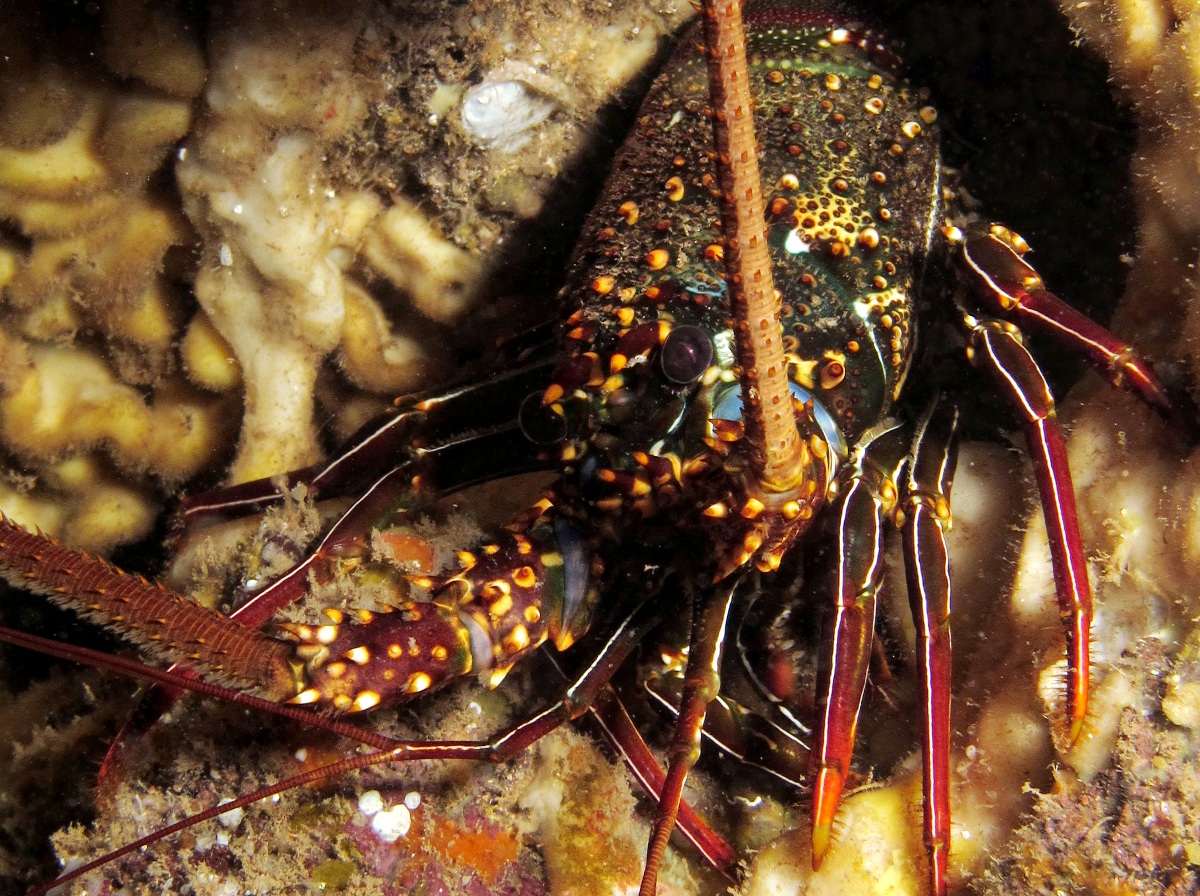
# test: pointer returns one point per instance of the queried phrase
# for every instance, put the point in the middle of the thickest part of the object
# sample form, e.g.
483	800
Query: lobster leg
1005	283
869	499
740	732
453	464
926	520
383	443
702	683
997	347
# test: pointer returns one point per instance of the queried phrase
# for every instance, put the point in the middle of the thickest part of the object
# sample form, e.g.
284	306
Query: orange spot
488	851
628	211
657	259
410	549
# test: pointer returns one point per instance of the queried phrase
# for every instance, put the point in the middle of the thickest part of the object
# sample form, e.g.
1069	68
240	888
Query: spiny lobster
675	410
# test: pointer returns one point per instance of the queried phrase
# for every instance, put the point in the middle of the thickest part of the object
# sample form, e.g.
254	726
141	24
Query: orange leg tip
827	792
1074	732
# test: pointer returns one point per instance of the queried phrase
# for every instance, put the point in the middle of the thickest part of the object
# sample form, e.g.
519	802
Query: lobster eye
686	354
539	423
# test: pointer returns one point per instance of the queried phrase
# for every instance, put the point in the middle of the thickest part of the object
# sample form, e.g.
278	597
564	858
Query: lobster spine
157	619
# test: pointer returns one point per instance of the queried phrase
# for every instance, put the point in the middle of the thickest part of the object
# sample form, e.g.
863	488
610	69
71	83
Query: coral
95	416
1134	826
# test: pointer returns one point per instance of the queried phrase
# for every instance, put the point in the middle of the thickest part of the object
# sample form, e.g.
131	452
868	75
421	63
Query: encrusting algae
228	242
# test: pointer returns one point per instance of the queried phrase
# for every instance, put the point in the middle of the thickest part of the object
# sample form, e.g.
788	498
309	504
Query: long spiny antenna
772	436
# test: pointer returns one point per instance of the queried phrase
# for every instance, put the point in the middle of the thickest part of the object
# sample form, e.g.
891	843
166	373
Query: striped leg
868	500
925	512
996	347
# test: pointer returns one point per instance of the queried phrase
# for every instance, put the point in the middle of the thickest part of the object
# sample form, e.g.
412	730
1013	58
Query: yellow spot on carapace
625	315
752	508
358	655
364	700
326	634
307	696
714	252
491	549
439	653
417	682
532	614
832	374
603	285
628	211
657	259
342	702
395	651
517	640
717	511
501	606
524	577
495	589
335	670
674	187
337	617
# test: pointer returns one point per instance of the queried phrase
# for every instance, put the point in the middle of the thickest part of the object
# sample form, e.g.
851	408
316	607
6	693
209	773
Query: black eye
539	423
686	354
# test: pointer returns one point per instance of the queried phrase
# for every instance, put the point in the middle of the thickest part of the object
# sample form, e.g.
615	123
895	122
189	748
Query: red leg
702	683
926	516
868	500
997	348
1004	283
384	443
742	733
611	714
